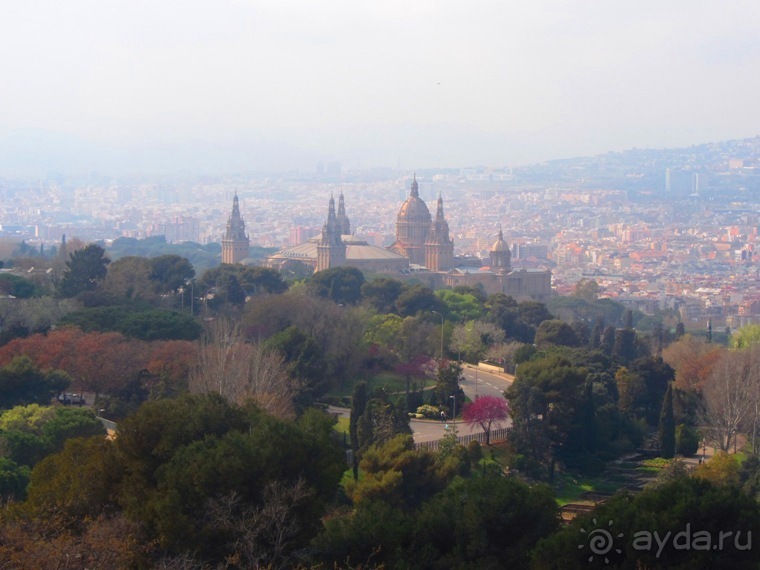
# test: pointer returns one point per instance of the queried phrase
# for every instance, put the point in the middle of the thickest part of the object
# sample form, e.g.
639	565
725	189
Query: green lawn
342	425
574	487
394	382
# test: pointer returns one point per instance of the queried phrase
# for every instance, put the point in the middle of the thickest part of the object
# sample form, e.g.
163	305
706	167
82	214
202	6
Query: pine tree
667	430
84	269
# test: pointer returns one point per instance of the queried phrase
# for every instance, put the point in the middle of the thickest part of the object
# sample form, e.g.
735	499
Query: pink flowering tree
488	412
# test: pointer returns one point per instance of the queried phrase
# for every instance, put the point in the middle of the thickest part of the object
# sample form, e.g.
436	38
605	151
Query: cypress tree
667	431
608	340
596	334
358	407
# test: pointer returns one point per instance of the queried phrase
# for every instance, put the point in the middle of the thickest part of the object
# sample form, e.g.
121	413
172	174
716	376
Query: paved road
481	382
431	430
423	430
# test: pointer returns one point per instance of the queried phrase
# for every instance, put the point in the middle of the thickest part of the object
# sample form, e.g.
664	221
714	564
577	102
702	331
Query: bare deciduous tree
692	358
474	337
37	314
263	535
504	353
240	370
730	395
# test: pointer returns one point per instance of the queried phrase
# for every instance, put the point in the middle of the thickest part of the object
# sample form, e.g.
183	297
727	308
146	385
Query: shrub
687	440
428	411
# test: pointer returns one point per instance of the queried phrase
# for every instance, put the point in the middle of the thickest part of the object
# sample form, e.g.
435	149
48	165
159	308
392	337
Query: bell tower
343	222
439	247
235	244
331	251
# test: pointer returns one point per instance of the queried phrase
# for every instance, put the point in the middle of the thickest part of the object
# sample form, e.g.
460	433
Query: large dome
414	209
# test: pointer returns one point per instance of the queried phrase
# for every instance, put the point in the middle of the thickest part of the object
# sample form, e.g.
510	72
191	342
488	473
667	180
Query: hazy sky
415	83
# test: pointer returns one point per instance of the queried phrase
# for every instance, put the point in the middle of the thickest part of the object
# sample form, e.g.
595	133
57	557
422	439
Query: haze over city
249	86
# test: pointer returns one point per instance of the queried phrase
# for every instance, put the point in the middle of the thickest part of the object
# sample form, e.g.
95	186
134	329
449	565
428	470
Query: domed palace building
423	250
336	247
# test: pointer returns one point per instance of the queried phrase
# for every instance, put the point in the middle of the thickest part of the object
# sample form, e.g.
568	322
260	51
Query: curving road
481	382
488	383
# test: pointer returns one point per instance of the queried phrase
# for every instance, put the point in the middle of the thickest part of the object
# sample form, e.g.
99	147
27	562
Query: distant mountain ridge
37	153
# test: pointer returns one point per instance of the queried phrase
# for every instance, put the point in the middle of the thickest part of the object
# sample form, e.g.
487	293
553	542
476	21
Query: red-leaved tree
487	412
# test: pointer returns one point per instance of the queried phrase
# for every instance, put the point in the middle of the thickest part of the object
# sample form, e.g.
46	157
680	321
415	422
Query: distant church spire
415	187
331	251
343	221
439	211
235	244
439	247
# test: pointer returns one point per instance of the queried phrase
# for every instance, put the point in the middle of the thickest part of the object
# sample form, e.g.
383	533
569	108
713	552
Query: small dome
500	245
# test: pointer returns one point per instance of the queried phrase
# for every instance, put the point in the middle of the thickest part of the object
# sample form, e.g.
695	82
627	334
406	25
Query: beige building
423	250
335	247
499	277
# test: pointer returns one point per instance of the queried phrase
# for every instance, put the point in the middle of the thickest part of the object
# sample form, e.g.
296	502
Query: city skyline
243	86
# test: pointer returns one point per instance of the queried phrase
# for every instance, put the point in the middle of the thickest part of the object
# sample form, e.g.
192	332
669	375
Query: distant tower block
235	244
667	180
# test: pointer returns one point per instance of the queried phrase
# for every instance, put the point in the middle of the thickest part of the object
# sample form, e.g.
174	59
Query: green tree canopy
199	475
533	313
85	268
306	360
417	299
253	280
556	332
151	324
745	337
546	402
16	286
170	272
22	383
683	505
461	307
394	472
382	293
343	285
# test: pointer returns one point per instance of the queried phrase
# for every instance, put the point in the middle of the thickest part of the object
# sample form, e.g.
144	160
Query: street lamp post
704	449
440	315
477	365
454	418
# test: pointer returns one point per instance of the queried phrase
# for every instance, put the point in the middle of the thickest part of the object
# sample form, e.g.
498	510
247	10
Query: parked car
72	399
